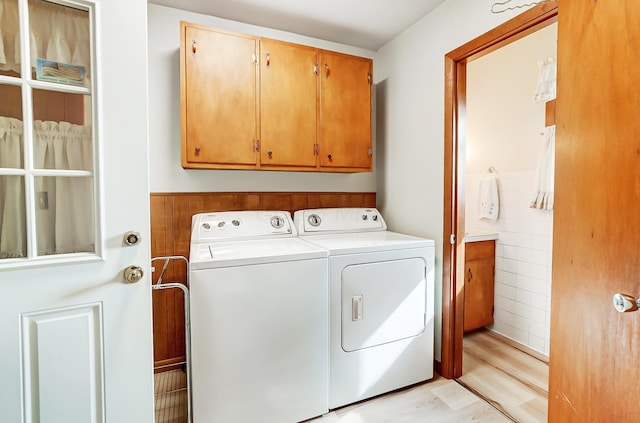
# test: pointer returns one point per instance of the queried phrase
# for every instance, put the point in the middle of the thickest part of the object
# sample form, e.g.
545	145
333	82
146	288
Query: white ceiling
362	23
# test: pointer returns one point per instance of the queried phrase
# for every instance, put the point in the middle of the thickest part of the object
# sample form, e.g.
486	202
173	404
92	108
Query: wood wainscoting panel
171	236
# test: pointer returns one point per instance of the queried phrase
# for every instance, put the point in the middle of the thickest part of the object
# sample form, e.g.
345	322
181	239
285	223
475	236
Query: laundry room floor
439	400
170	391
498	377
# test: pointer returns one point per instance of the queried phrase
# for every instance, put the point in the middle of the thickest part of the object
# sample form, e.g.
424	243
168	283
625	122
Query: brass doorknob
133	274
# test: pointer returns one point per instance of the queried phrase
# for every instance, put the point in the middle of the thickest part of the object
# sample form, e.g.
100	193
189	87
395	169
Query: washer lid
365	242
243	253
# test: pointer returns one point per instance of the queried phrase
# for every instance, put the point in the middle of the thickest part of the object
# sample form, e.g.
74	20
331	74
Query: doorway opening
455	159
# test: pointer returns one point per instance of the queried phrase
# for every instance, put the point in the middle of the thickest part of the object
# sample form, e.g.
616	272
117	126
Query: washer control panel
207	227
337	220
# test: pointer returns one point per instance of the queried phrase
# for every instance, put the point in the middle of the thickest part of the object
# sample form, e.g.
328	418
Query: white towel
489	206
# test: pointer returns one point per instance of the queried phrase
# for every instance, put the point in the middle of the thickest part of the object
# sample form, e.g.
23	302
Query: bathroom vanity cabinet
479	284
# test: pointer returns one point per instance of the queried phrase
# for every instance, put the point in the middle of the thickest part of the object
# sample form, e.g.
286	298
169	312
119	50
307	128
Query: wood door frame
455	88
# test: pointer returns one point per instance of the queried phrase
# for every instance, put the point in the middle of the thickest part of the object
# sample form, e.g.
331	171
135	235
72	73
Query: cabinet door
479	285
345	111
218	98
288	105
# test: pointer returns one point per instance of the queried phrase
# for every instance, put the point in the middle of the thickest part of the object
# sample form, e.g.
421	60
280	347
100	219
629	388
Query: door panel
594	350
220	97
75	338
345	111
288	87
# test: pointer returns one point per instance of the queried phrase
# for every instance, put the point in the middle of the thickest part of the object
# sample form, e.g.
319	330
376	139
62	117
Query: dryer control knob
314	220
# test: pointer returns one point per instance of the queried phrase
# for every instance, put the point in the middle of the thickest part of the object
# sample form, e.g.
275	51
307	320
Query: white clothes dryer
381	292
259	319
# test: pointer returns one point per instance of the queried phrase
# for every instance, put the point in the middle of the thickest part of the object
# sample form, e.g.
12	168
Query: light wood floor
512	381
170	389
439	400
500	385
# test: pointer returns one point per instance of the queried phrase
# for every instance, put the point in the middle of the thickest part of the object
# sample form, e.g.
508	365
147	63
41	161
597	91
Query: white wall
504	130
523	259
409	76
166	173
504	125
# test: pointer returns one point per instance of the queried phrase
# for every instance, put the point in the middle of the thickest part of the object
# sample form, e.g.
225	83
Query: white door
75	338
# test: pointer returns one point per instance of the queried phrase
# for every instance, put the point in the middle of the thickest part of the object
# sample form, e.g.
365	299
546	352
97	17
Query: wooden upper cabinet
288	98
345	112
255	103
218	98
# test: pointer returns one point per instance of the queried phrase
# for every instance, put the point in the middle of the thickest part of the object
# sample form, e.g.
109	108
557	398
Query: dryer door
382	302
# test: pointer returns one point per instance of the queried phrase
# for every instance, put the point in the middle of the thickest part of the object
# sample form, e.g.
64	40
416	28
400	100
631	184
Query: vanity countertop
480	236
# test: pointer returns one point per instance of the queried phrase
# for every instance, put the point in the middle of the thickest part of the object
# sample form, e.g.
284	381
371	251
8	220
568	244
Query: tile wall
523	258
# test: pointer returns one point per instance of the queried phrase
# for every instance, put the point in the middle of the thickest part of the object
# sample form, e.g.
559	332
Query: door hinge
369	78
452	239
256	145
315	149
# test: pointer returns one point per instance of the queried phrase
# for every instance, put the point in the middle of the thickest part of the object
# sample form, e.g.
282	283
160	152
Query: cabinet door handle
268	60
327	70
193	46
469	275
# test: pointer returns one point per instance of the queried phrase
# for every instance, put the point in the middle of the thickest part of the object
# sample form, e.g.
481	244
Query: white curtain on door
64	205
12	211
58	33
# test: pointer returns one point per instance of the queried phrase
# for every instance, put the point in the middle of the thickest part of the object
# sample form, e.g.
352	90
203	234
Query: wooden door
479	284
345	111
218	98
288	99
596	252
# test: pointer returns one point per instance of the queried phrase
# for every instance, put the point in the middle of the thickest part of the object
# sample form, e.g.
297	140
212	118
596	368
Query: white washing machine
381	302
259	320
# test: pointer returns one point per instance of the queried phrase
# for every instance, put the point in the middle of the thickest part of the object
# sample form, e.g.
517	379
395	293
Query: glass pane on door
64	215
13	229
9	38
60	43
11	142
62	136
11	101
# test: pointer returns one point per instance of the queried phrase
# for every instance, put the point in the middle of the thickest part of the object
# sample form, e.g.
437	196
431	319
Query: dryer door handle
356	308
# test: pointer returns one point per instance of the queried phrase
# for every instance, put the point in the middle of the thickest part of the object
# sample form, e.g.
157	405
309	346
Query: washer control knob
235	222
374	217
221	224
365	217
277	222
